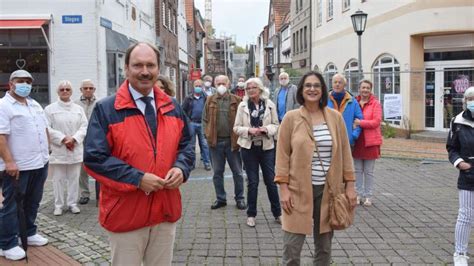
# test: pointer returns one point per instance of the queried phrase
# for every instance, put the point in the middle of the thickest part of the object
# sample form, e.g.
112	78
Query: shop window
351	72
386	71
329	72
115	71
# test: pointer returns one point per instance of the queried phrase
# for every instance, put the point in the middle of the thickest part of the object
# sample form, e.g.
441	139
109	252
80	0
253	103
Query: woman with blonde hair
256	124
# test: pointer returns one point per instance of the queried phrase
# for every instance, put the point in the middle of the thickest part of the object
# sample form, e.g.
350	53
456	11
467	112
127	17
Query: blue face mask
22	89
470	106
197	90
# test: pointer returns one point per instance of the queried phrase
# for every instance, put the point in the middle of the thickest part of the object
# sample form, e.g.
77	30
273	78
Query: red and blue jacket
119	149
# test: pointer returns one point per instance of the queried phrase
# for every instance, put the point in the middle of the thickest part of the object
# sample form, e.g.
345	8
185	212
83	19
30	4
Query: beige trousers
151	245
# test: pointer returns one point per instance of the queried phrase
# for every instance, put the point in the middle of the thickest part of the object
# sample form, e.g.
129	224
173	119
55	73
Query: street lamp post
359	20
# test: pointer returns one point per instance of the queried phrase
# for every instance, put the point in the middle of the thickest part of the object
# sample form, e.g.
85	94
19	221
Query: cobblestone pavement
411	222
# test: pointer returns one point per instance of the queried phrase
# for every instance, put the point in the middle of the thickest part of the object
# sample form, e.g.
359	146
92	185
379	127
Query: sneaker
218	204
367	202
207	167
58	211
75	209
359	200
460	259
15	253
37	240
278	220
251	221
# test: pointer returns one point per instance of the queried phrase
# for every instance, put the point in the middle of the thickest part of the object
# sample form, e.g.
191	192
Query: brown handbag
340	210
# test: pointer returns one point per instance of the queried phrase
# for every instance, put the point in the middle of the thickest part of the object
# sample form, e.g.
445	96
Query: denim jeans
253	158
364	171
197	130
31	184
219	154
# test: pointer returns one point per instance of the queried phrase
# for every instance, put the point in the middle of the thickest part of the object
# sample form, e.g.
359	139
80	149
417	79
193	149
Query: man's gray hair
339	75
469	93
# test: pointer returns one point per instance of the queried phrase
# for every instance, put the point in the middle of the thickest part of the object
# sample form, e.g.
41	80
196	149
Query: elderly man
138	146
285	96
342	101
193	105
208	89
218	121
24	152
87	102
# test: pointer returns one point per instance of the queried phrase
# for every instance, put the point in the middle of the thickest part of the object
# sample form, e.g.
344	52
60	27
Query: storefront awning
15	24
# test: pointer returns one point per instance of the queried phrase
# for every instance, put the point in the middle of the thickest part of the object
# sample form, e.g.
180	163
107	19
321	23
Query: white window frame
330	9
346	5
329	71
163	13
351	72
319	21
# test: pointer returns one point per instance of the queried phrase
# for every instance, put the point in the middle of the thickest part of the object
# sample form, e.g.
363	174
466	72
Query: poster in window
392	107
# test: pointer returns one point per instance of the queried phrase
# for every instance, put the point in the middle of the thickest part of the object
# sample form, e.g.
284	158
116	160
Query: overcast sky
243	18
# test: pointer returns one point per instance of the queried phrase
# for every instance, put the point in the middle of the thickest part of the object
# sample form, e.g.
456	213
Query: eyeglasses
308	86
251	88
88	88
65	89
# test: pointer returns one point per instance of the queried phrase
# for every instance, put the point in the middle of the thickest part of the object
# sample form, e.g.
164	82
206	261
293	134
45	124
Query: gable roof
280	9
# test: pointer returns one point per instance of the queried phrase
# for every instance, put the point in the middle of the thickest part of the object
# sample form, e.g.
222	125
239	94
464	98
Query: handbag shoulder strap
331	192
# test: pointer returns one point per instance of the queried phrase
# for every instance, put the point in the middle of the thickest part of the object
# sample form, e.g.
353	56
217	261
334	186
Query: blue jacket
350	110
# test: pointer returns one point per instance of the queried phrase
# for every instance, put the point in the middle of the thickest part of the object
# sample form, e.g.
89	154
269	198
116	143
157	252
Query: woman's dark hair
324	89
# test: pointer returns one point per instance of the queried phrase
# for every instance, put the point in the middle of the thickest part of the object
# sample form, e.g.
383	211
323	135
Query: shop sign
195	74
105	23
72	19
461	83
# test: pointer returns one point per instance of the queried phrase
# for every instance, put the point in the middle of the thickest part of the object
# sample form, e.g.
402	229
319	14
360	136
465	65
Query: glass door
455	82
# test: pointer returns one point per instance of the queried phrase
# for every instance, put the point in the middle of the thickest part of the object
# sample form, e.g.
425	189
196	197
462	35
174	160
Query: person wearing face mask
67	129
24	153
239	90
460	146
218	119
207	88
193	105
285	96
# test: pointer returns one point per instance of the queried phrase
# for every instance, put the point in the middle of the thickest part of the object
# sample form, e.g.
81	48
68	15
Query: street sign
105	23
72	19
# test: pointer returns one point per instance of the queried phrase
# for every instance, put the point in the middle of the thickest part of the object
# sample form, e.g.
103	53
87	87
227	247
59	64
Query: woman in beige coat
257	124
312	151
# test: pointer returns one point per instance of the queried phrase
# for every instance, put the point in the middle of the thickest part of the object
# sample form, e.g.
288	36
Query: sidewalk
412	220
47	255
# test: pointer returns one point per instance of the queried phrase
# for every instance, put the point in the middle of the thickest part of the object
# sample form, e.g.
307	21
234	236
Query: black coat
460	146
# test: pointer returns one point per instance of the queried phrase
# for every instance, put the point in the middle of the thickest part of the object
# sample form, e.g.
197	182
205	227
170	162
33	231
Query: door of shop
445	83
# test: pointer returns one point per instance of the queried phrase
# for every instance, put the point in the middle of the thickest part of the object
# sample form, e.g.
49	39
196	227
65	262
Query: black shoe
83	200
218	204
241	205
207	167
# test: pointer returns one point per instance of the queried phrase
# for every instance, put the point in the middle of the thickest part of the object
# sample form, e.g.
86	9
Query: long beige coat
295	148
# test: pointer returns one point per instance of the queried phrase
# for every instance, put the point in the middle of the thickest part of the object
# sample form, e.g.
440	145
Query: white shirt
25	126
141	104
323	139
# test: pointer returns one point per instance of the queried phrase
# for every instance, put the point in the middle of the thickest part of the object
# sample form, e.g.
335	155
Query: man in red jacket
138	146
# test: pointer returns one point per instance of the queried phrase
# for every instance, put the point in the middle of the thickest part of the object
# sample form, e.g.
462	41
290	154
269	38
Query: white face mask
241	84
207	84
221	89
284	82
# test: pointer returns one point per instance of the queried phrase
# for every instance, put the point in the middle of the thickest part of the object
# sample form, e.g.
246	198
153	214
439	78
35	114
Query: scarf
256	116
338	96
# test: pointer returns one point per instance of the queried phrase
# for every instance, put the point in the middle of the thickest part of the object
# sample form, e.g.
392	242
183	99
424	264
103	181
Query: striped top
324	141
